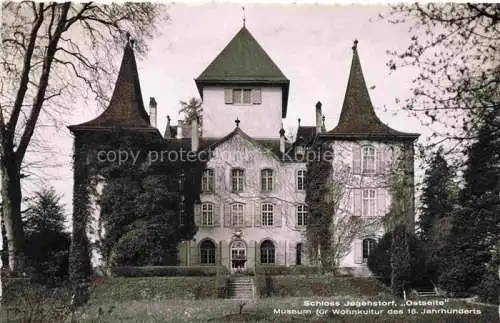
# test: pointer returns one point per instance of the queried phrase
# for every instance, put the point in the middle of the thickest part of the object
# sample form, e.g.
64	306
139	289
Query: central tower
243	83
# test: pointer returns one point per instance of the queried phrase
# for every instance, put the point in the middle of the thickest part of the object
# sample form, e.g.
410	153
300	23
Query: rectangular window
247	96
368	160
369	203
301	180
266	180
267	214
207	214
237	96
237	214
237	180
243	96
207	181
301	215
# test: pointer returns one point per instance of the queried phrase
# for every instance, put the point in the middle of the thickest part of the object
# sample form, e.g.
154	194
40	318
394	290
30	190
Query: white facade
285	198
262	120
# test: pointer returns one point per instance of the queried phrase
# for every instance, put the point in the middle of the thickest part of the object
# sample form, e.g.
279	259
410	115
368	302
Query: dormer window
243	96
299	151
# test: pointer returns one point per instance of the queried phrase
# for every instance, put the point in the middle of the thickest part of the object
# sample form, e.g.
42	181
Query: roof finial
298	121
323	119
168	118
244	18
237	121
355	46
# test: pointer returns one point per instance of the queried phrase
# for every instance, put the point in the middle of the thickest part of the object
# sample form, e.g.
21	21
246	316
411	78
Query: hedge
275	270
168	271
318	285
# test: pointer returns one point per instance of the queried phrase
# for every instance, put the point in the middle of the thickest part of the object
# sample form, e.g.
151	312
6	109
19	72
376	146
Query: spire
126	107
244	18
358	117
357	113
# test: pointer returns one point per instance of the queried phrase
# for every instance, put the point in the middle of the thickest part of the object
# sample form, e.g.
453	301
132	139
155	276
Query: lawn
263	310
192	299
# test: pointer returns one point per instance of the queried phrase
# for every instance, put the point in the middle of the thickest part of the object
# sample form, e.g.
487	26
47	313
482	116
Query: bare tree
455	48
336	202
51	51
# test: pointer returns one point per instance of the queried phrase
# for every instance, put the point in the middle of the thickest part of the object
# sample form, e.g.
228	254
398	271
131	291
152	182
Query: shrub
150	271
379	262
461	275
489	287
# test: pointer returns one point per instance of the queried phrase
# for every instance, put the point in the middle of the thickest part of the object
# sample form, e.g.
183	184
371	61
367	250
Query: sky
310	43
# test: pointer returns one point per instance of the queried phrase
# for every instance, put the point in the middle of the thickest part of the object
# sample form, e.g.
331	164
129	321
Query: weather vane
244	19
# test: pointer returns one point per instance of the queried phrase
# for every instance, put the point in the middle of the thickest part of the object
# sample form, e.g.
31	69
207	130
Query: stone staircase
241	288
427	292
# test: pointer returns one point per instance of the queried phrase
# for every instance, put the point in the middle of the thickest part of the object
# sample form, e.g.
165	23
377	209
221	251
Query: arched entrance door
238	255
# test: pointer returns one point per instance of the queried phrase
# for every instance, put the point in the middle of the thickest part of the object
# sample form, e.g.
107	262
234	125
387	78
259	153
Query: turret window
243	96
368	159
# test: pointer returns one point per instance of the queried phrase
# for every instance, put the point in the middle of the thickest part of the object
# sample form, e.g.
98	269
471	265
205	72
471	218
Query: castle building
252	207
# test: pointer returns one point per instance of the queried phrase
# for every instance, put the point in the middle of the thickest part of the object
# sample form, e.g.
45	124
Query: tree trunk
11	204
80	267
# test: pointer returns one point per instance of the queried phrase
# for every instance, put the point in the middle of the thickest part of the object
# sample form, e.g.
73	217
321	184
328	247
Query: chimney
179	129
195	140
168	133
282	140
152	111
318	117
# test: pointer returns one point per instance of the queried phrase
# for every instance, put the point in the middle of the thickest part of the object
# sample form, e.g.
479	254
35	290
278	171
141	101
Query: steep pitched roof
244	61
305	134
126	108
358	118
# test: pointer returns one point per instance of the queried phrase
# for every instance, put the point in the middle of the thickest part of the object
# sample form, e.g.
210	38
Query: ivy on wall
321	208
147	189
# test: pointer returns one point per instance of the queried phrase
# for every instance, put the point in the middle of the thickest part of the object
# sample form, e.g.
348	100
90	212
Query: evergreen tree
47	242
437	195
475	224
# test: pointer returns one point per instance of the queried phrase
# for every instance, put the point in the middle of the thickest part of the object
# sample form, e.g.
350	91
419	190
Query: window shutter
224	253
380	202
217	214
278	216
247	214
250	253
291	253
356	159
358	251
197	214
280	251
195	258
228	96
257	253
227	215
257	215
357	201
380	155
256	96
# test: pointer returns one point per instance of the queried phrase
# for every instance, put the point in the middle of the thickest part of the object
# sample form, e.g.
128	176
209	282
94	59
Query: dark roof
244	61
126	108
305	134
358	118
268	145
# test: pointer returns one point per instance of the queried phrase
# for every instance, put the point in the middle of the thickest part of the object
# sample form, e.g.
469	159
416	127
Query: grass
171	299
218	310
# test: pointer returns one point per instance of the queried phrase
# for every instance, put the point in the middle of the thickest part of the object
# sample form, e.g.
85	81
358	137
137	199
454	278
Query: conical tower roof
358	117
126	108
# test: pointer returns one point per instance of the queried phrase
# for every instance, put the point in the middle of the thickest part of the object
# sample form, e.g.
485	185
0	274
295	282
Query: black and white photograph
257	161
